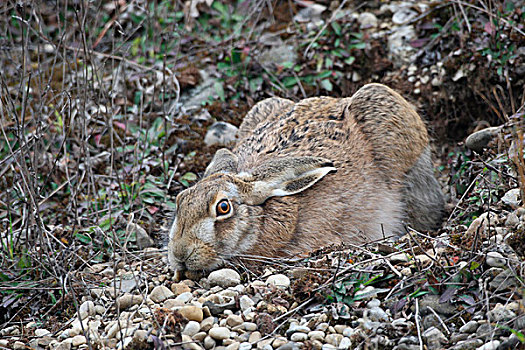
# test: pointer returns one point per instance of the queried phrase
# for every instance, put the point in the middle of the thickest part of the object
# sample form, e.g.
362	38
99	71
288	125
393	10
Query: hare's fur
309	174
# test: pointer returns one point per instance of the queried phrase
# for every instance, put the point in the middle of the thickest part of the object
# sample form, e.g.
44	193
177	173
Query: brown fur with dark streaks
310	174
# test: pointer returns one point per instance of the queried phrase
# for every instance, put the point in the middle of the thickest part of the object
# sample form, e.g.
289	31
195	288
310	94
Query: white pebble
219	333
299	337
224	278
192	328
495	259
78	340
280	281
491	345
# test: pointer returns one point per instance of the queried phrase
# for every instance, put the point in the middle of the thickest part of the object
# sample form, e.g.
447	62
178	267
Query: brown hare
309	174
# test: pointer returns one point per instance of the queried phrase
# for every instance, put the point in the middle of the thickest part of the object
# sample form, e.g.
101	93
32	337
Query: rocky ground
458	288
422	293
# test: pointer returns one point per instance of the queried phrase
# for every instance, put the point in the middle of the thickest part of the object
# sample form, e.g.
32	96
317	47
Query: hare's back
376	119
314	126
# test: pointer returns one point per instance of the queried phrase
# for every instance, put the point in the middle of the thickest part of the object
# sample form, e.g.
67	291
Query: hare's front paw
194	275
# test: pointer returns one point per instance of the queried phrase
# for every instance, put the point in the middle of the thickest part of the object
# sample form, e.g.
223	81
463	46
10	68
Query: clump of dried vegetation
93	135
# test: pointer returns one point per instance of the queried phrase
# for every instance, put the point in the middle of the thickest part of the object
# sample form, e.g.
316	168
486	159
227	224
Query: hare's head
222	215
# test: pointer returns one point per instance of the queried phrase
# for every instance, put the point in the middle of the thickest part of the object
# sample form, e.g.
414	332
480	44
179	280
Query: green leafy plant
345	291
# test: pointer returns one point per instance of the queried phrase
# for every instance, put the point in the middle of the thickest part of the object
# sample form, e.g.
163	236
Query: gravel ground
288	304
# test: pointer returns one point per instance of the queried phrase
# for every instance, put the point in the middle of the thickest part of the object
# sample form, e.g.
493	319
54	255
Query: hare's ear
224	161
283	177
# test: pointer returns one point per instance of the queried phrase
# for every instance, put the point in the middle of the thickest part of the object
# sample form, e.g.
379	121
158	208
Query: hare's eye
223	207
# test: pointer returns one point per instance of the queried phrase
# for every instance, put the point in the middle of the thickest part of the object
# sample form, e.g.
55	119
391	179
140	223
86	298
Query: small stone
200	336
373	303
403	16
4	342
100	310
209	342
265	344
345	344
504	279
339	328
142	238
172	304
161	293
316	344
322	326
255	337
280	281
278	55
221	133
468	344
500	313
192	313
86	309
434	338
512	198
480	224
294	328
399	258
485	331
410	339
180	288
495	259
367	20
457	337
334	339
512	220
366	293
245	303
219	333
480	139
299	336
328	347
127	300
234	320
511	343
184	297
249	326
233	346
189	344
78	340
433	302
436	81
278	342
460	73
192	328
141	335
519	323
18	345
424	79
348	332
469	327
316	335
40	332
491	345
245	346
289	346
377	314
224	278
207	323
